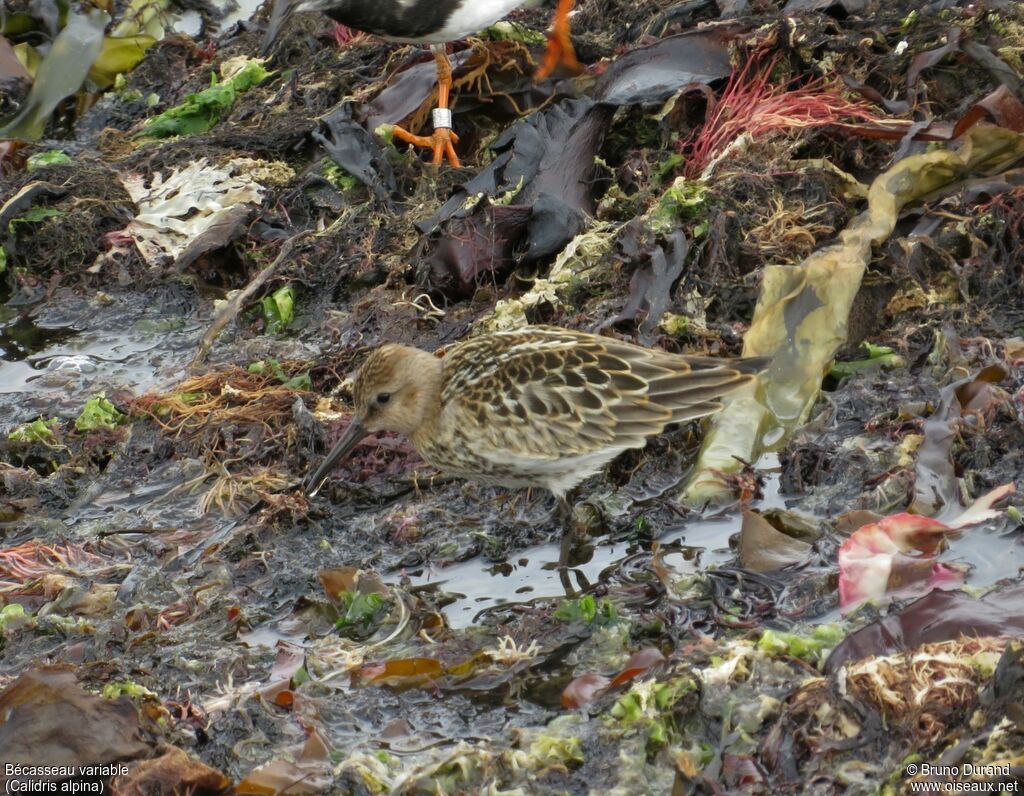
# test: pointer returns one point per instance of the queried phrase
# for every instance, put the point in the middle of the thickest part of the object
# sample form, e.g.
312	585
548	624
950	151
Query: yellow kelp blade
802	311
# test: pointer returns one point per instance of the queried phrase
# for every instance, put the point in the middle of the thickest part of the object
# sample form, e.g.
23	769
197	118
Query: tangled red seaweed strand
751	104
32	560
344	35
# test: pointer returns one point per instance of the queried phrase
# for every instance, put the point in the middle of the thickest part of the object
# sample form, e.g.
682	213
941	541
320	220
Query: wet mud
164	577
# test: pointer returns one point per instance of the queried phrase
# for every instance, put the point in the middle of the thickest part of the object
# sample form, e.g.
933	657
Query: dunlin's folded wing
550	394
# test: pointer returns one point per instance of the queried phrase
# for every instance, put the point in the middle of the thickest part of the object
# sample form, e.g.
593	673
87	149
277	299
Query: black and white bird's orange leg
443	139
560	50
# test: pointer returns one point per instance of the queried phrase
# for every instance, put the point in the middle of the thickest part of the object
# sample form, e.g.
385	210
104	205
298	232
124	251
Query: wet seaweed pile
817	592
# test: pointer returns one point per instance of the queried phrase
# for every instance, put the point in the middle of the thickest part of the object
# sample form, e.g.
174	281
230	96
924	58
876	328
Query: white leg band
442	117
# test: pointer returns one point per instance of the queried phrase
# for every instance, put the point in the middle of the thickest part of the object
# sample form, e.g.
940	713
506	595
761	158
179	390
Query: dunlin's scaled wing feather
552	406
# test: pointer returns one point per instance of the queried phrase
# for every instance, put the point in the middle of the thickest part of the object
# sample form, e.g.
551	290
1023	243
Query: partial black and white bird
432	22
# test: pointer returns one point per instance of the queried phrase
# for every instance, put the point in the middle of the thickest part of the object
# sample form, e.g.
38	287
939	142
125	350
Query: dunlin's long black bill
281	11
348	441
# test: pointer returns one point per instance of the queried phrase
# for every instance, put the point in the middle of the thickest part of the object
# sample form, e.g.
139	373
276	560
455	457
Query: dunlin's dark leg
443	139
573	550
560	49
565	547
563	511
563	517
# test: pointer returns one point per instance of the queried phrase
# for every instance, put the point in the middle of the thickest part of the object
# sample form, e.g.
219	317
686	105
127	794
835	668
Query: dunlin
431	22
537	407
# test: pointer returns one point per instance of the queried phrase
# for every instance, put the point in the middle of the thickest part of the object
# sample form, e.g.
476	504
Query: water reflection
688	548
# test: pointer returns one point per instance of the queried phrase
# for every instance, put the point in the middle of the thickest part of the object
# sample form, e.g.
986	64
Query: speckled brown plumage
541	406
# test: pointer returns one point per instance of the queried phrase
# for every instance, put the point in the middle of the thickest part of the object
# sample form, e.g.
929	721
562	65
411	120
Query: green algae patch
13	616
127	688
39	430
588	611
506	30
339	178
272	367
648	708
33	216
363	610
558	744
550	749
812	648
386	132
878	356
201	111
683	199
52	157
99	413
278	309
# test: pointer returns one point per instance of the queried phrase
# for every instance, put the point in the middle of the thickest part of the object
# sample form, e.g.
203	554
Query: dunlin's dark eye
383	398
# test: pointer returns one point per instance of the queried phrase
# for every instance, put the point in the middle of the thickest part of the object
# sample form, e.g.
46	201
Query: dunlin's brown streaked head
539	406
